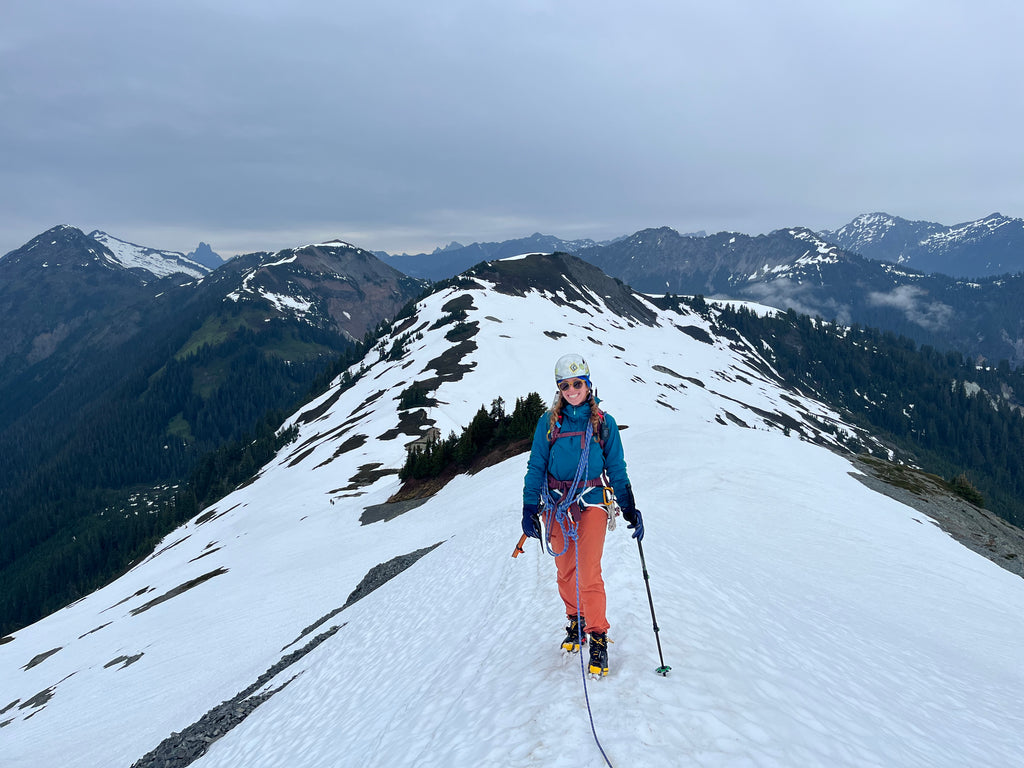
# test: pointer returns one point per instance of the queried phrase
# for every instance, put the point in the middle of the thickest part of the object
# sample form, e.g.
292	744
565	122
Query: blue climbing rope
583	670
558	510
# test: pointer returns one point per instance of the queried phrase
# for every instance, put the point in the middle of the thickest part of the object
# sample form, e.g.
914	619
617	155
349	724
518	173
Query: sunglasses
563	386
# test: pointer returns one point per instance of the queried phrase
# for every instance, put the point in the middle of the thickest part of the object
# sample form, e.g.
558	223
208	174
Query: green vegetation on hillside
488	431
171	439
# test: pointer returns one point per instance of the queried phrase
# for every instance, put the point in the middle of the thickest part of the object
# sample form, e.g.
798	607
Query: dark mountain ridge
115	383
910	277
798	269
455	258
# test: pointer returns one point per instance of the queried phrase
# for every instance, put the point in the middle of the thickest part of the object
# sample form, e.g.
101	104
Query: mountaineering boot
573	632
598	654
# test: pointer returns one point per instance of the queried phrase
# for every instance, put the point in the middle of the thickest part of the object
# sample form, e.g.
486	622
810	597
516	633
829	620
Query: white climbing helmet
572	366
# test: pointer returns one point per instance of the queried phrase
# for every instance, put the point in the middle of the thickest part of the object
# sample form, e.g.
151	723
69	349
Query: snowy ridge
952	237
159	263
808	620
819	253
870	228
988	245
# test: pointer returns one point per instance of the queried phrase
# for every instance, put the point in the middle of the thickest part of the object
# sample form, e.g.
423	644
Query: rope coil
557	510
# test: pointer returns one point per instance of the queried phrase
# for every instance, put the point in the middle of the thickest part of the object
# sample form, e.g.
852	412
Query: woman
565	484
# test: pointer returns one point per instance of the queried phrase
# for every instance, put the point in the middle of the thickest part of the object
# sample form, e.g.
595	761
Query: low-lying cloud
912	301
804	299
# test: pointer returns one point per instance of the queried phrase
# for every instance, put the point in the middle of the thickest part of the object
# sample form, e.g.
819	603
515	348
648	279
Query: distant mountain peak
333	285
62	245
988	246
454	245
205	255
566	279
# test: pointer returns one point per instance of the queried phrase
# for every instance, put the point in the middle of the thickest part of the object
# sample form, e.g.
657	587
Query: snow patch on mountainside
159	263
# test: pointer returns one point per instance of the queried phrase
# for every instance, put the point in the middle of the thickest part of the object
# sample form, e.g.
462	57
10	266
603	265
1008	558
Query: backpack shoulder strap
556	432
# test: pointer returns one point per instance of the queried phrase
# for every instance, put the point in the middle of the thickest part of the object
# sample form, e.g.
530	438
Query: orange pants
593	524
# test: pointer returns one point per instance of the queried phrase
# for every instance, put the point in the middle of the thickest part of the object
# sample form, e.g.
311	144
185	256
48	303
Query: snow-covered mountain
808	620
158	263
332	285
992	245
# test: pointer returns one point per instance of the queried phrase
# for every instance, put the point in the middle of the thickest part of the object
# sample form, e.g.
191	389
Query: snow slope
159	263
808	620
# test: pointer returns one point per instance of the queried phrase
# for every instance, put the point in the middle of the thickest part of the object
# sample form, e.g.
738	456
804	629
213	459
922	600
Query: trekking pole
662	670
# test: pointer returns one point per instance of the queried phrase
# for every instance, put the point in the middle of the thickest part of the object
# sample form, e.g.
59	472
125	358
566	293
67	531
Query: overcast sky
402	125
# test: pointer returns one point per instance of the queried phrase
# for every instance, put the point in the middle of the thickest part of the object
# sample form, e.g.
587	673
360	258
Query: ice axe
522	539
519	547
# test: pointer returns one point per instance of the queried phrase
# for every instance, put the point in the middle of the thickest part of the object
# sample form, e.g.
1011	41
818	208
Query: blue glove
636	521
530	521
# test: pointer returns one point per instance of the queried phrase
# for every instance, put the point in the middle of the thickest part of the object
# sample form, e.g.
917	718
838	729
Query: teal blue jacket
561	458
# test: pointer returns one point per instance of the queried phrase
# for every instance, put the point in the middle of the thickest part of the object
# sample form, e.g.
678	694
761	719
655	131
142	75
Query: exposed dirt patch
40	699
207	552
669	371
736	420
213	514
449	365
94	631
140	593
695	332
178	590
412	423
315	413
382	513
40	658
124	661
356	441
371	399
368	474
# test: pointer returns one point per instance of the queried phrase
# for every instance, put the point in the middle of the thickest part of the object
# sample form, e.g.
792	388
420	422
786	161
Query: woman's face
575	391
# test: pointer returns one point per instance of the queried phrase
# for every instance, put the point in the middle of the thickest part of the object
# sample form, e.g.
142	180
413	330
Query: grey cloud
421	123
785	294
913	302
